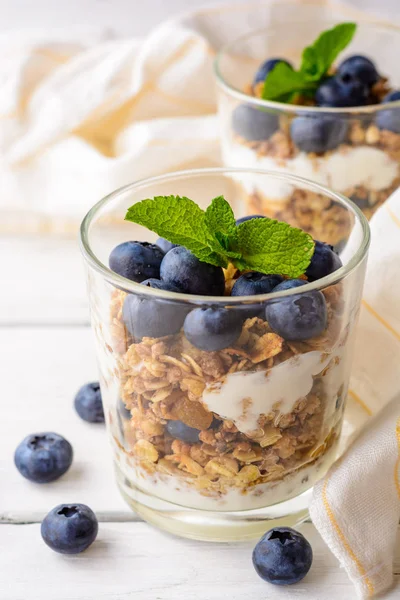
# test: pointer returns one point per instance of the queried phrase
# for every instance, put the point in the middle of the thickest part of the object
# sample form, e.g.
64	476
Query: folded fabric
84	114
356	507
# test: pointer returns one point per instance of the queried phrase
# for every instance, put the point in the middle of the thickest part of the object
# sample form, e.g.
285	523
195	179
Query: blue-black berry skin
159	284
69	528
358	68
300	316
136	261
253	283
88	403
253	124
43	457
318	134
267	67
165	245
248	218
182	269
148	317
123	411
212	328
390	119
336	93
180	431
361	201
283	556
323	262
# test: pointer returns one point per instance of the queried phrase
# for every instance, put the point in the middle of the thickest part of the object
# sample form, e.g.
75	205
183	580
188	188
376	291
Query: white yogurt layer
361	165
243	397
176	490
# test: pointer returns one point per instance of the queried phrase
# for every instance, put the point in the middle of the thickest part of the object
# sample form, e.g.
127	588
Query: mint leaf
283	82
270	246
180	221
318	57
261	245
219	218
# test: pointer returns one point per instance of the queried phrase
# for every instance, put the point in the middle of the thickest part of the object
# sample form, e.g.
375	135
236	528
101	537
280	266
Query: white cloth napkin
82	115
356	507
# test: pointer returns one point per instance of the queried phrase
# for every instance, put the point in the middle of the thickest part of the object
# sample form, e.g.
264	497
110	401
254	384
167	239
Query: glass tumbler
358	151
219	444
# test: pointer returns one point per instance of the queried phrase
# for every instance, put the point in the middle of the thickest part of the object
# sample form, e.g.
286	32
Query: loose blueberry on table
69	528
352	152
43	457
229	302
283	556
88	403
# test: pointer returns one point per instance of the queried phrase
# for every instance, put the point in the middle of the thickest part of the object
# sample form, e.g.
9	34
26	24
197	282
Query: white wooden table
46	353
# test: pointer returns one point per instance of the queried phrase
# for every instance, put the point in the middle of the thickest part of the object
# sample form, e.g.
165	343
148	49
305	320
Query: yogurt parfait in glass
317	100
224	347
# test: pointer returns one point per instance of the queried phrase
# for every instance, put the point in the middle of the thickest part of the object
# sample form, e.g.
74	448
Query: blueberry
165	245
283	556
183	270
267	67
358	68
318	134
298	317
248	218
136	260
392	97
334	92
390	119
212	328
123	411
288	284
324	261
253	283
254	124
43	457
158	284
180	431
88	403
69	528
361	201
153	317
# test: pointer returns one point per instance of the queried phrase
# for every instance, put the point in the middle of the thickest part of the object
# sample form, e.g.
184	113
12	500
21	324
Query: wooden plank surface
133	560
42	282
45	367
46	353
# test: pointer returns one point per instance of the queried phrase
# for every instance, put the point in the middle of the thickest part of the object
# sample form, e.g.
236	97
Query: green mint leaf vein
263	245
271	246
219	218
283	82
180	221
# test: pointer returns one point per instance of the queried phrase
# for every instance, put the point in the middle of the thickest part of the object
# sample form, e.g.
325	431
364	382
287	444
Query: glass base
212	526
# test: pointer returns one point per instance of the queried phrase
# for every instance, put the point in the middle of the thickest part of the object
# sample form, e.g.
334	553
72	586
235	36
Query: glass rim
296	108
131	286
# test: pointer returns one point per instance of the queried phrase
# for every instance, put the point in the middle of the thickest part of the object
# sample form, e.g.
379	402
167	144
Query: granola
167	379
314	213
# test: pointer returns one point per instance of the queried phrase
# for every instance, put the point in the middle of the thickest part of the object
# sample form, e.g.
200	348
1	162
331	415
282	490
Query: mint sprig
284	82
180	221
263	245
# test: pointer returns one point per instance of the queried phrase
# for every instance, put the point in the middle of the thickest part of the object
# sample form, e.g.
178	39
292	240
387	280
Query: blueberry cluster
350	86
173	268
47	456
